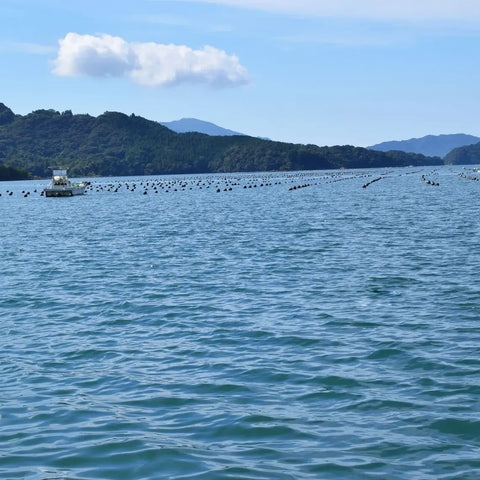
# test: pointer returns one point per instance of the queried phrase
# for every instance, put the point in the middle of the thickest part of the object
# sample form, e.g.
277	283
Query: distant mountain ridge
430	145
187	125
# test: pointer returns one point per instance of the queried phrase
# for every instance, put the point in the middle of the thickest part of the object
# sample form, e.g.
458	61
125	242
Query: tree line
115	144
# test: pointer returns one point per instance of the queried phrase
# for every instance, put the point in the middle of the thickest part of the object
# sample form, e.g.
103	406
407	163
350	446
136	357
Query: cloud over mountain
150	64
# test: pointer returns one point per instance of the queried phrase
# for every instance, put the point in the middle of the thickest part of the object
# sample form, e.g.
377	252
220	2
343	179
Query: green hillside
117	144
467	155
8	172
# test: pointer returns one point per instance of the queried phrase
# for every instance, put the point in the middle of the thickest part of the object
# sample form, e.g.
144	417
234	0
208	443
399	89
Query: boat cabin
59	178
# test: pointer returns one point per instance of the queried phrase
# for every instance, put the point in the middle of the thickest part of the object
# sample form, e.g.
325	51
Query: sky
323	72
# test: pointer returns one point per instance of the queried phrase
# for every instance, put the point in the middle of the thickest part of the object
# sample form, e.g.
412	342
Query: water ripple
265	333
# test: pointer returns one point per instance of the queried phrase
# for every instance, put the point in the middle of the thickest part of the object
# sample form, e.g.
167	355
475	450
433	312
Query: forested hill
8	172
117	144
466	155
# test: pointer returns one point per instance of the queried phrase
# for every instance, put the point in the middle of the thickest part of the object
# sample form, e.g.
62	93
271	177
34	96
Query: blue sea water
235	327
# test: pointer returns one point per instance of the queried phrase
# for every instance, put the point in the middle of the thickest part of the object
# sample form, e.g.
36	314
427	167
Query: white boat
61	186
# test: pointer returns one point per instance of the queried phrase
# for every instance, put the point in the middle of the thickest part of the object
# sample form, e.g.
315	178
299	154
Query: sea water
243	326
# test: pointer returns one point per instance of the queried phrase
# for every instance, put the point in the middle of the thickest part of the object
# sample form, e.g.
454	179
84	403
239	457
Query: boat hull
64	192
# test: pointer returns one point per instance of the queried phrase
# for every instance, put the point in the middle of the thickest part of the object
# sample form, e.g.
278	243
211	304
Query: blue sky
325	72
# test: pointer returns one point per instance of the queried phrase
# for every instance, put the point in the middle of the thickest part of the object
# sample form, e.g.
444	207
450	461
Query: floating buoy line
365	185
429	182
224	184
462	175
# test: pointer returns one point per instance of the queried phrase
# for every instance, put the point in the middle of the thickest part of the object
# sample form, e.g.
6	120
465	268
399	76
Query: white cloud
149	64
93	56
444	10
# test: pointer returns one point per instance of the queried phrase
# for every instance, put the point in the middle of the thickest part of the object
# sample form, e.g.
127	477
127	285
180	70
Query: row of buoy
429	182
335	180
217	183
157	185
25	193
462	175
343	176
225	183
297	187
365	185
228	183
220	184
